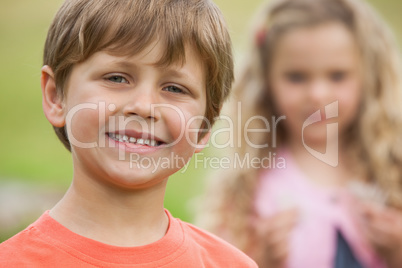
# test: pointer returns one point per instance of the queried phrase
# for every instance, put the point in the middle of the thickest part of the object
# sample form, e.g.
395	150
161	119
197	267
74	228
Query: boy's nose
141	104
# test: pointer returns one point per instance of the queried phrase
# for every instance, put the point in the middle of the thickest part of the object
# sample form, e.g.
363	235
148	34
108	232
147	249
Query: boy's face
130	122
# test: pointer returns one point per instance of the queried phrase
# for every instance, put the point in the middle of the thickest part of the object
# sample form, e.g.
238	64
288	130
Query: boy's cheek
83	125
194	129
184	134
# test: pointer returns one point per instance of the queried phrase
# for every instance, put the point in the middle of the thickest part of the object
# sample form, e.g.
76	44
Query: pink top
323	211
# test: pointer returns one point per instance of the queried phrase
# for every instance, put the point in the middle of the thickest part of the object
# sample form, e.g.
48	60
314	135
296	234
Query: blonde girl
327	73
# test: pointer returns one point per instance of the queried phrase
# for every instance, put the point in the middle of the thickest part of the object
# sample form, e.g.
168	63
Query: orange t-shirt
46	243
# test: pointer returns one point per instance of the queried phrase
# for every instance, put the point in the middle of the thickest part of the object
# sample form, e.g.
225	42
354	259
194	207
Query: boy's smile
130	105
135	138
135	142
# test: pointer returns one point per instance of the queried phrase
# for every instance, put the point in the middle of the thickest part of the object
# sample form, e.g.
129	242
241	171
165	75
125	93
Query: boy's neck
112	216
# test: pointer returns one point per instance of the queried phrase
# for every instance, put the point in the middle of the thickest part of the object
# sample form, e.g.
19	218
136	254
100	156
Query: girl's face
311	68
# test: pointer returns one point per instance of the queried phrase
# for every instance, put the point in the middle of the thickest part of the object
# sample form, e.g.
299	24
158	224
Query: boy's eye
338	76
296	77
174	89
117	79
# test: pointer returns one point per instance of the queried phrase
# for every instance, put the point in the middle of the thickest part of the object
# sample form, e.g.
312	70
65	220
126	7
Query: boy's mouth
132	140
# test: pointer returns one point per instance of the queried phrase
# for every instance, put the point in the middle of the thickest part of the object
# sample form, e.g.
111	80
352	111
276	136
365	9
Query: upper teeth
125	138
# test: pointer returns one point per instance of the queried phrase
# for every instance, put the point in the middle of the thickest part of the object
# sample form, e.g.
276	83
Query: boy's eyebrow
123	63
179	74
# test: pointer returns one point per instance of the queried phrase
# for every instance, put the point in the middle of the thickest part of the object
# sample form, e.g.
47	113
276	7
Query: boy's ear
203	142
52	103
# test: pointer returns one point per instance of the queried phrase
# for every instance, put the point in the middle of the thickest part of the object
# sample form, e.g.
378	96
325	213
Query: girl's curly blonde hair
374	141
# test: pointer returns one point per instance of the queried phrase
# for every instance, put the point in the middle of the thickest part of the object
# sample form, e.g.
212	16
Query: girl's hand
273	236
383	228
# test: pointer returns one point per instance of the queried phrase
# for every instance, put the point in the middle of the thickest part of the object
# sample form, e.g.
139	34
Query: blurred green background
35	169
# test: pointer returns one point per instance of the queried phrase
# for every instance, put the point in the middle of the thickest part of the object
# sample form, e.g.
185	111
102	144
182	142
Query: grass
29	150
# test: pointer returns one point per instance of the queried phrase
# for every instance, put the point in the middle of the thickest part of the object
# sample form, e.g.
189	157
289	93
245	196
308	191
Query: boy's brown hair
126	27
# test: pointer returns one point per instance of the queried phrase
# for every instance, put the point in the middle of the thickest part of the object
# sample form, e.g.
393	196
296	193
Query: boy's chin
138	178
139	184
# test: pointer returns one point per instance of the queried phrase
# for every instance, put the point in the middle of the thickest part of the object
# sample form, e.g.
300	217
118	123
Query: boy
130	86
